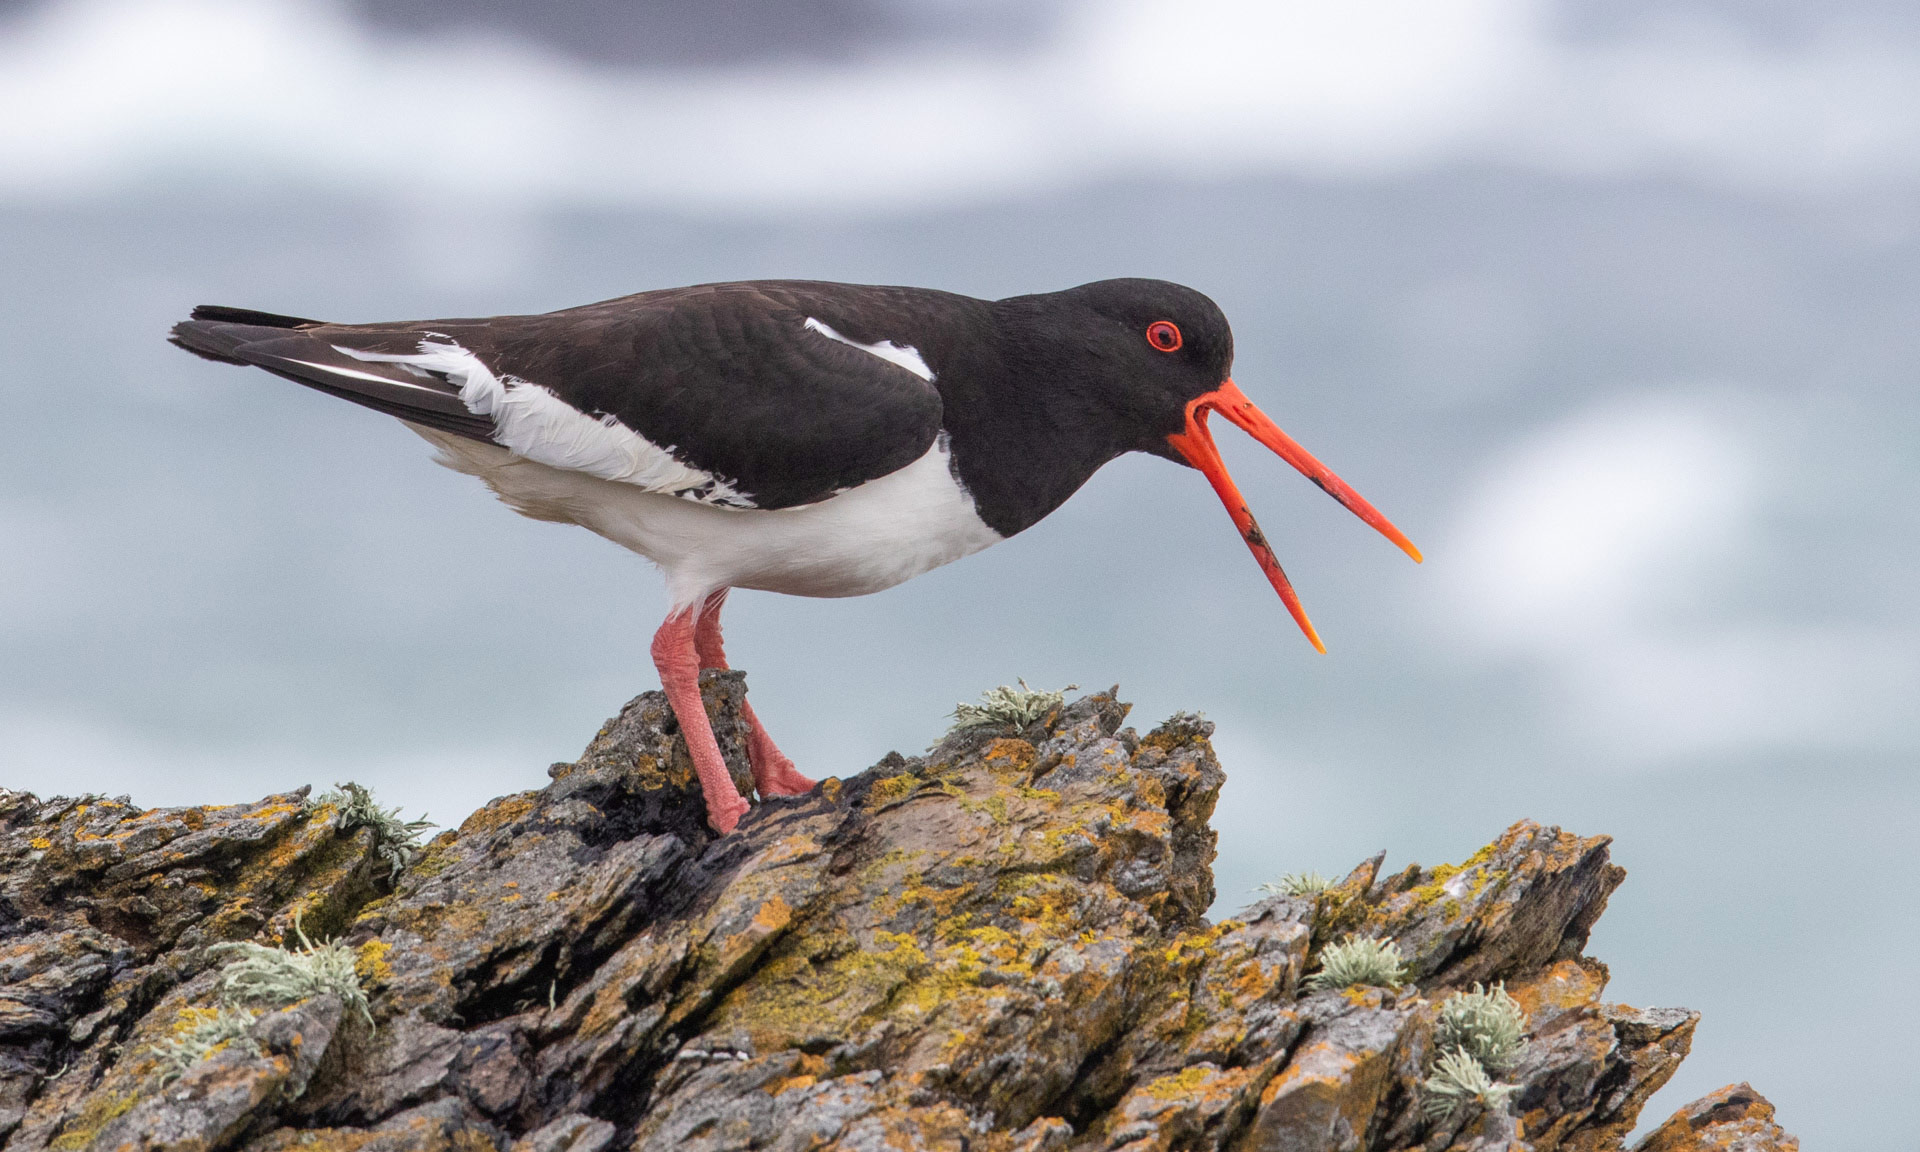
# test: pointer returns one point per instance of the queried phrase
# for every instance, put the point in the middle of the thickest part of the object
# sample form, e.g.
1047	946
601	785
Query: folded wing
724	394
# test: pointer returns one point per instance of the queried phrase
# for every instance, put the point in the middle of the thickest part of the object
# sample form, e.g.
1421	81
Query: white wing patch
905	355
530	421
353	374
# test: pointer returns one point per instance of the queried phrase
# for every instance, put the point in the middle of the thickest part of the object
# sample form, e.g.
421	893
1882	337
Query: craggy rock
998	946
217	1100
1734	1119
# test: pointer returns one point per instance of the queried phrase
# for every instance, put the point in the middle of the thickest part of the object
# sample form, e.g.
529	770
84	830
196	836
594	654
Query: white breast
862	540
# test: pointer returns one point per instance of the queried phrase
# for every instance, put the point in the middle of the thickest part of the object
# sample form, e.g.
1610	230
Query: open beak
1195	443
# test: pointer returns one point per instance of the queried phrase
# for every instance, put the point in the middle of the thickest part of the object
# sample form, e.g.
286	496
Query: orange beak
1195	443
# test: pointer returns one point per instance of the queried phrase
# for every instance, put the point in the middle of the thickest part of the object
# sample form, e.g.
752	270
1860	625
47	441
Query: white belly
863	540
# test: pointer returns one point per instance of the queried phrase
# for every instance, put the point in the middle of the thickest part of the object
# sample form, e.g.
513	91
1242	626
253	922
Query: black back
1034	392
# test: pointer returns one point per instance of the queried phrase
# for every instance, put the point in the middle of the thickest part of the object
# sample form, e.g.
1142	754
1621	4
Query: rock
1001	945
440	1126
1329	1092
574	1132
1528	898
1734	1119
219	1099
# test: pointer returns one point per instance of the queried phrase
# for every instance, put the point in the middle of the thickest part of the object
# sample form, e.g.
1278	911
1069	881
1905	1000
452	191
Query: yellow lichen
994	806
101	1109
902	948
820	983
1180	1085
892	790
437	859
192	1017
371	962
505	810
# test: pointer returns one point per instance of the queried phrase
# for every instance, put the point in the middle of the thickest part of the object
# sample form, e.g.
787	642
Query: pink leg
773	773
674	654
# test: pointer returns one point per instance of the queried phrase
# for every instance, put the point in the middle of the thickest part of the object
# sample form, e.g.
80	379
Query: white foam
103	95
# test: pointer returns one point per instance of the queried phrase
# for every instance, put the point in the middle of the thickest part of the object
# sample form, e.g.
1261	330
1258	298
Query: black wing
729	380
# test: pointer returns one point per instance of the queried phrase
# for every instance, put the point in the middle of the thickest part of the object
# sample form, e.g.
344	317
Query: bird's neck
1025	429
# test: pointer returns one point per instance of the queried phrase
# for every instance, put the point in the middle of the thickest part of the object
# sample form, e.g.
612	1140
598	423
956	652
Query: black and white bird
803	437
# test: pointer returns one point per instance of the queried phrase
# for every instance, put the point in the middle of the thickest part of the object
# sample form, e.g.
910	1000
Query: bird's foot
775	775
724	814
773	771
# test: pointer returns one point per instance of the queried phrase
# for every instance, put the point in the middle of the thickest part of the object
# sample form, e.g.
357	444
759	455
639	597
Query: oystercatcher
803	437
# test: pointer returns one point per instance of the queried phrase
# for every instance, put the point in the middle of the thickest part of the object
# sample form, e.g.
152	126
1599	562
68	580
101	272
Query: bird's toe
726	817
775	775
793	785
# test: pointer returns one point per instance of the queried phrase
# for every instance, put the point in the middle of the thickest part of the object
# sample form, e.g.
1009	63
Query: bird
803	437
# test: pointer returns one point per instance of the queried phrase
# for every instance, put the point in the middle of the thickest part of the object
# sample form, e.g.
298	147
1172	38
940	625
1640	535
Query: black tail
308	352
216	330
249	316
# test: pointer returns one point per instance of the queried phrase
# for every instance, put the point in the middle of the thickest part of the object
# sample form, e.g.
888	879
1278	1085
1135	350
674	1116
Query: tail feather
228	315
305	352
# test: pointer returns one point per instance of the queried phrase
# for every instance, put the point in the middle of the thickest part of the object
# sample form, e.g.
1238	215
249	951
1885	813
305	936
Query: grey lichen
395	841
1486	1024
200	1033
1297	884
276	977
1457	1082
1014	708
259	977
1359	960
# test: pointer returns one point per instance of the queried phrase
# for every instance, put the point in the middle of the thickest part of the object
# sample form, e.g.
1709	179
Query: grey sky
1647	403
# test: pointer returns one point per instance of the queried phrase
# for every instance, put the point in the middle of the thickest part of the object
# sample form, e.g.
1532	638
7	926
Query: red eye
1164	335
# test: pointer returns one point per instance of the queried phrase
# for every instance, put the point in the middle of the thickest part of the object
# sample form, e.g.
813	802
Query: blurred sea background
1611	306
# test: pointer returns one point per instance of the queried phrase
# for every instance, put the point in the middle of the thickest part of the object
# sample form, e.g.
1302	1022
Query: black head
1144	363
1137	351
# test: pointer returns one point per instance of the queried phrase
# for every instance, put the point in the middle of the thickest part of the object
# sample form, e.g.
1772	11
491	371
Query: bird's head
1167	357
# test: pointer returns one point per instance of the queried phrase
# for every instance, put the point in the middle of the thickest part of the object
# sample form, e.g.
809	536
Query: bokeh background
1610	305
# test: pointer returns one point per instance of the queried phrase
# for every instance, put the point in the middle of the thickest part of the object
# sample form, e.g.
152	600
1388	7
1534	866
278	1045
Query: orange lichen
503	811
1009	753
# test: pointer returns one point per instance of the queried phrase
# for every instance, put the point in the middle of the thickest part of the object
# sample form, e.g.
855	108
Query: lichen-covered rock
106	908
1526	899
217	1100
998	946
1734	1119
